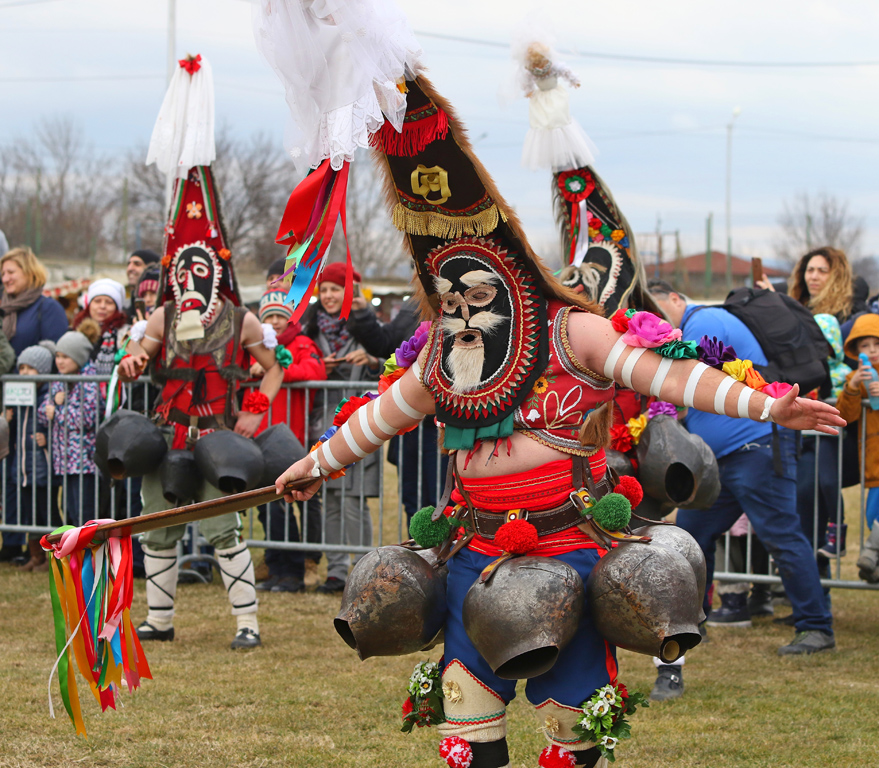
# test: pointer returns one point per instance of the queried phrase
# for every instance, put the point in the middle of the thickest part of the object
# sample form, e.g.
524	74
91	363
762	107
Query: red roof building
688	273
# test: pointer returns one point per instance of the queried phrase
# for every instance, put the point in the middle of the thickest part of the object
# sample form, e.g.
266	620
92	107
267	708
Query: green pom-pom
612	511
426	532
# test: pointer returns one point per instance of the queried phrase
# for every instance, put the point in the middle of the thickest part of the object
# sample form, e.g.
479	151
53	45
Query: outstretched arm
688	382
402	405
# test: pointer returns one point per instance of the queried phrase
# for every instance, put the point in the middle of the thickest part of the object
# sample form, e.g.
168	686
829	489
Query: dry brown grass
304	700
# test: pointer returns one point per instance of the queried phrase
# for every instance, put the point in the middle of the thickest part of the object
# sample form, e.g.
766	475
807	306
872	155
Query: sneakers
147	631
244	639
760	601
289	584
669	683
733	611
808	642
835	541
331	585
268	584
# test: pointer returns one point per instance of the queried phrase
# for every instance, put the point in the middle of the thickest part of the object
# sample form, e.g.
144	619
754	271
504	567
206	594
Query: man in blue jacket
758	476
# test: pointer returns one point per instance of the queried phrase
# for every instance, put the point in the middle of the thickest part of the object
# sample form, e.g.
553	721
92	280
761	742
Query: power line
72	78
665	60
24	2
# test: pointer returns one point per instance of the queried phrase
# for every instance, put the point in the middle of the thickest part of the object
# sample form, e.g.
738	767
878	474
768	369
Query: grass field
305	700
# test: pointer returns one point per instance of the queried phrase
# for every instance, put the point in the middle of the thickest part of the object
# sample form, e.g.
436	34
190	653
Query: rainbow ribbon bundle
92	590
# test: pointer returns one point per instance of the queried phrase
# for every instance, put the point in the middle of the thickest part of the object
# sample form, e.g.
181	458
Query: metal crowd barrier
380	516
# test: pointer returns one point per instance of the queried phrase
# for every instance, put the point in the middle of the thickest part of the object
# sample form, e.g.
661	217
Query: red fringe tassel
414	137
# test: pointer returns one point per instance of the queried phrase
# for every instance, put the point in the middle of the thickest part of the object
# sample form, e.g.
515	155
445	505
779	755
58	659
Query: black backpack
789	336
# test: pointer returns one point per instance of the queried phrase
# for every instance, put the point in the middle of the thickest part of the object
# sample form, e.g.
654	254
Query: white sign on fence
19	393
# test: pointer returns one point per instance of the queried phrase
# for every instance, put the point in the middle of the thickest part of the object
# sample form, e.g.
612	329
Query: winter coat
382	339
849	404
73	453
28	460
44	319
307	365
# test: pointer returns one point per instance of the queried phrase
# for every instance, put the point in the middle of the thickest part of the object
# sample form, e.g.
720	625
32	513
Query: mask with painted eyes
492	320
195	274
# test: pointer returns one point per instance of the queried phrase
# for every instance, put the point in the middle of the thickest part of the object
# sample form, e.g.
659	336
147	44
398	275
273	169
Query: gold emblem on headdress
430	180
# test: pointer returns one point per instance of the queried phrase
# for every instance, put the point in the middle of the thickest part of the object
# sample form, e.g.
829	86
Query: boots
868	562
37	556
161	589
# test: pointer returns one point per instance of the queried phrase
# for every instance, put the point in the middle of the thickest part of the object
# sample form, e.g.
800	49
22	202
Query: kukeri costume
200	361
498	358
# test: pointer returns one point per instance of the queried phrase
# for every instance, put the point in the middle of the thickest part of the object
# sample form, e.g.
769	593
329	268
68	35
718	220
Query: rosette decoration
91	590
603	719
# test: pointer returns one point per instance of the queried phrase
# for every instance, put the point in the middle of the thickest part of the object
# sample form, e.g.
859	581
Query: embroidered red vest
564	395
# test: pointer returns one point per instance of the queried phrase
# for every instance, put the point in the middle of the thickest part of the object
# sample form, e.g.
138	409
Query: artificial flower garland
646	330
424	706
604	717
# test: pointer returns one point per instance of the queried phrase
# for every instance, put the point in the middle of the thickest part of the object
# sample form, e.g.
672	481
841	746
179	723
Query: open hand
796	412
59	398
132	367
50	412
248	423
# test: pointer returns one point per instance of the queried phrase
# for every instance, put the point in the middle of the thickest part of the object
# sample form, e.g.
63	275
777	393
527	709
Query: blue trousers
827	469
749	484
587	663
279	522
872	511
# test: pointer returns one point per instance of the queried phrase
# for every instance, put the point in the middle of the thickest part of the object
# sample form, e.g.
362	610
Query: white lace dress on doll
555	140
339	62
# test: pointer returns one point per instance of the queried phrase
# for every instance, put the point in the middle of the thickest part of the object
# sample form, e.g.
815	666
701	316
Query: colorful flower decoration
283	356
777	389
661	408
424	707
679	350
576	185
649	331
636	426
225	254
541	385
620	439
191	63
604	717
617	235
754	379
193	210
714	352
738	369
407	353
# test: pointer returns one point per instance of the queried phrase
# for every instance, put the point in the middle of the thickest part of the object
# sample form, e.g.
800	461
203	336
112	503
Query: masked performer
200	343
519	372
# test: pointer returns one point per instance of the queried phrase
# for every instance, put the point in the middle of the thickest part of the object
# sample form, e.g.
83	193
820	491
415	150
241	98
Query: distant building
688	273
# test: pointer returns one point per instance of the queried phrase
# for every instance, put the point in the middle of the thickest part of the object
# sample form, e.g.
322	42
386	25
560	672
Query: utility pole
38	240
125	217
808	231
736	112
709	256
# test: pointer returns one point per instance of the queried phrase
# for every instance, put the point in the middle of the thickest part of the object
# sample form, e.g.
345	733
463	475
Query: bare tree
809	222
376	245
254	180
55	191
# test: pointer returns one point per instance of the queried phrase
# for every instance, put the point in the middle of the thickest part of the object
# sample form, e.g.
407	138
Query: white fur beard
465	365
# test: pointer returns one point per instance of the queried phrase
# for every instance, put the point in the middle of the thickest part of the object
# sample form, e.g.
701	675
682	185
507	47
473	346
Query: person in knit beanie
27	470
71	412
287	569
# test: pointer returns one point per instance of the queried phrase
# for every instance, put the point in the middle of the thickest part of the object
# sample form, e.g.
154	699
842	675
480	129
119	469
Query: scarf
334	330
289	334
12	305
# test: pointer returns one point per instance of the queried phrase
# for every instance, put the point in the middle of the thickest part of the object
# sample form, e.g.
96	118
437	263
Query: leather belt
546	521
177	416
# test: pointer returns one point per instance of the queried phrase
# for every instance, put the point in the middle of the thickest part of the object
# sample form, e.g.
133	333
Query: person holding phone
345	360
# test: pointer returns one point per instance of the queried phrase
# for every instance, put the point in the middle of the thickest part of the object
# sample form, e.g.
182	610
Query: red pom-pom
555	756
620	438
407	707
516	536
255	402
629	487
456	752
619	321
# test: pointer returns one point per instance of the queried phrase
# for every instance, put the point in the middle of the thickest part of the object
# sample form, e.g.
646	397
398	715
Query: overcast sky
660	127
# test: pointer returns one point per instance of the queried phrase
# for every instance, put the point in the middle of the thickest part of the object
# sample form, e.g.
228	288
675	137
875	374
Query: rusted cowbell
676	466
521	618
394	603
128	444
672	537
646	598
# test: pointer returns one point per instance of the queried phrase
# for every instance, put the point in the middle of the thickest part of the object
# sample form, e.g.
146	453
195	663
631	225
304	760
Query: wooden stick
192	512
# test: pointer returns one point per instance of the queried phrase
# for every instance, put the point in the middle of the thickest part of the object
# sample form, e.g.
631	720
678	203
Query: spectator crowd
51	476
